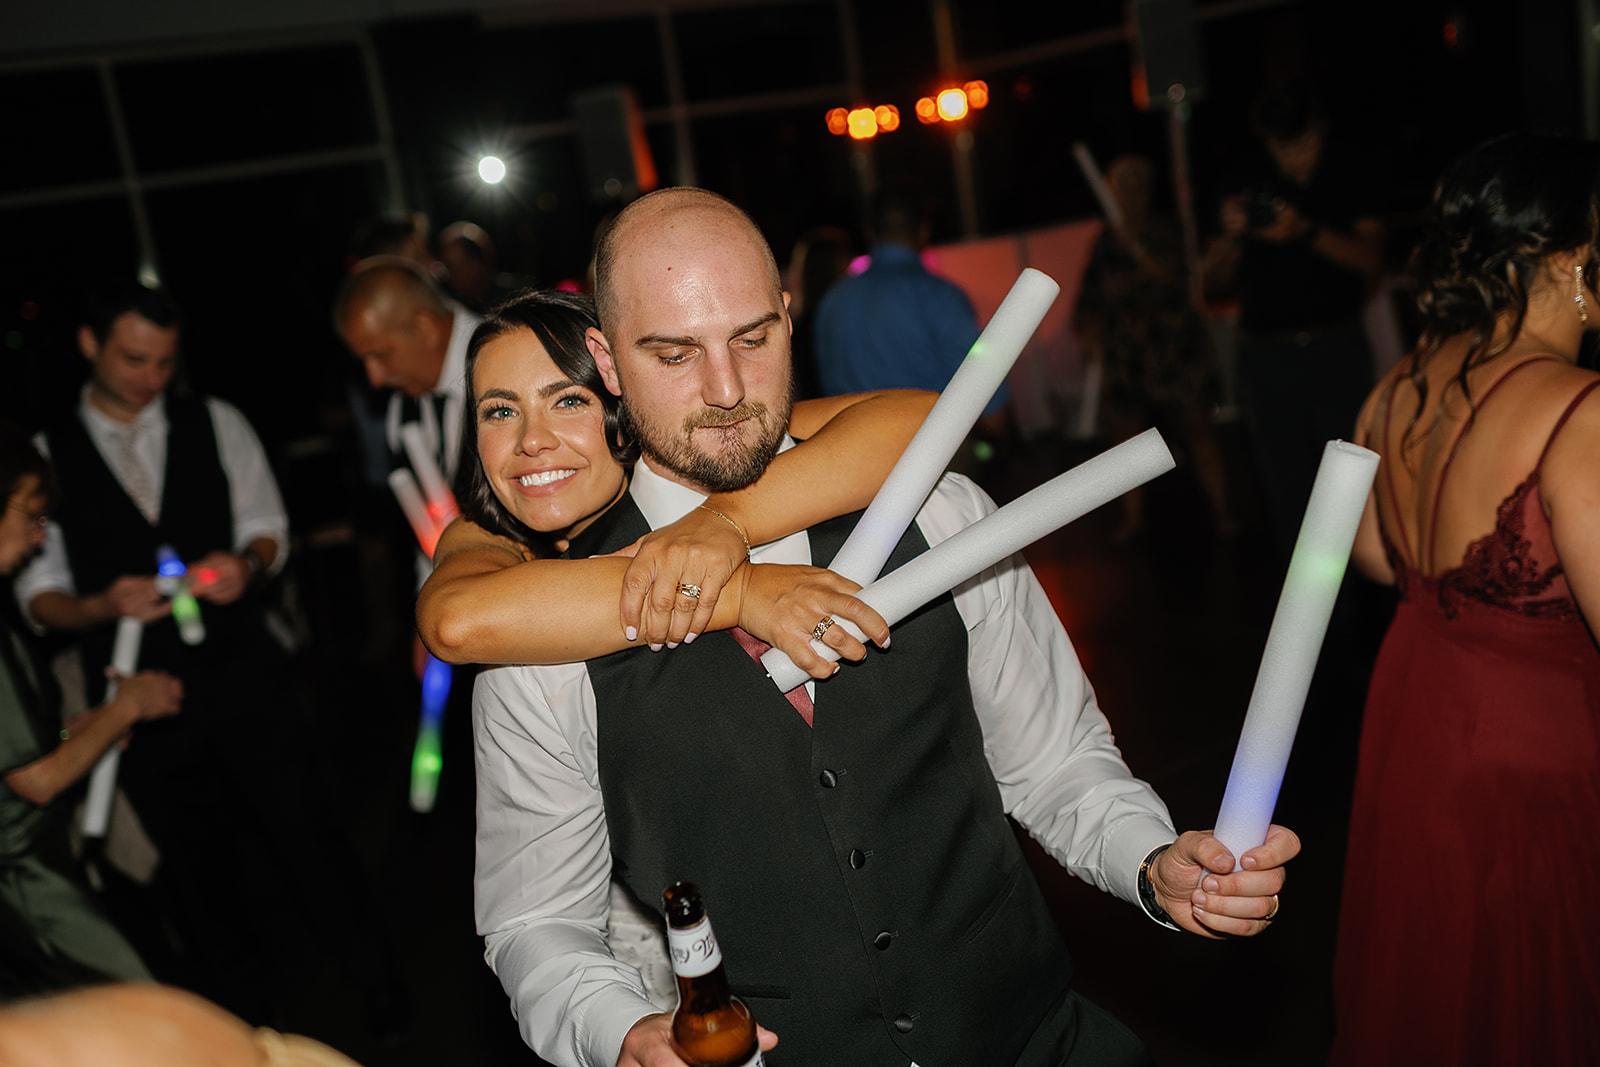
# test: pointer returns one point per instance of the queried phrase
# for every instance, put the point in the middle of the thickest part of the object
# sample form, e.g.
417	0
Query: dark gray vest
871	901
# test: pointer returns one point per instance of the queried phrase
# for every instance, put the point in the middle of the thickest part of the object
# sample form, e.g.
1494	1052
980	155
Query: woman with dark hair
544	454
72	942
1479	775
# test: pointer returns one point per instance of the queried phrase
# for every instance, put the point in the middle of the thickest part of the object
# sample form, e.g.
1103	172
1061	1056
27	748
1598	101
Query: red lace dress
1470	926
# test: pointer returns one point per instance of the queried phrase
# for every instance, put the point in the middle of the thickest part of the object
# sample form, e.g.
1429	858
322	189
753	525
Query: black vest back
871	900
107	536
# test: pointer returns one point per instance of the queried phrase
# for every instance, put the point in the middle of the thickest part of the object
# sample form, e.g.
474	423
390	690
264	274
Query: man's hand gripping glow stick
863	555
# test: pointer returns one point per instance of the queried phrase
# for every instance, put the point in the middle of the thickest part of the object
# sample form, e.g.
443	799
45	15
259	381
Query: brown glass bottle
712	1027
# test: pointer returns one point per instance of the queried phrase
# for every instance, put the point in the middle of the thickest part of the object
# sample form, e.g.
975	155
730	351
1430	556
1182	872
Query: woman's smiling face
541	437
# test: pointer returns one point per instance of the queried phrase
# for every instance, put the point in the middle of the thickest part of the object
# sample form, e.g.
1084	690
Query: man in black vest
229	793
869	897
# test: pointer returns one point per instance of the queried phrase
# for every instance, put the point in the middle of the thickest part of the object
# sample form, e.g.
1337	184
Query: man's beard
730	467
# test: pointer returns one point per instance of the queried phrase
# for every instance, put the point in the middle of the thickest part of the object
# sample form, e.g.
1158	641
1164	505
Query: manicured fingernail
688	639
632	633
1210	885
672	644
655	648
1198	898
835	670
885	643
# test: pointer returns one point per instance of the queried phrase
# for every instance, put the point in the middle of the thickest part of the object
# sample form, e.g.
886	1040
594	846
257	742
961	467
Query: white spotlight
492	169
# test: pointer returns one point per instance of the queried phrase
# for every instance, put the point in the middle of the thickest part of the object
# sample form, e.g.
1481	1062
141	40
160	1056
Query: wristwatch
1147	892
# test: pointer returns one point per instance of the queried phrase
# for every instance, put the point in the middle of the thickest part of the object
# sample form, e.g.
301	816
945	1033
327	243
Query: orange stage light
952	105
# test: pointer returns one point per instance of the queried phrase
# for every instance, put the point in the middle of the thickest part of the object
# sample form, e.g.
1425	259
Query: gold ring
1269	916
689	589
823	626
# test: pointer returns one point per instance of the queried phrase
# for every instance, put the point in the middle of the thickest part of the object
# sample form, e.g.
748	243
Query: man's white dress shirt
253	493
452	386
543	850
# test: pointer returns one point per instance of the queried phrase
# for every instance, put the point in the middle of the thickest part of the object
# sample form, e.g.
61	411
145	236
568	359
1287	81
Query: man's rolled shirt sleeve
1050	747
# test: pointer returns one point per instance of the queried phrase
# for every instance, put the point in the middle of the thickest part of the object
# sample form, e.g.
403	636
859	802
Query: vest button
858	859
883	941
828	779
903	1023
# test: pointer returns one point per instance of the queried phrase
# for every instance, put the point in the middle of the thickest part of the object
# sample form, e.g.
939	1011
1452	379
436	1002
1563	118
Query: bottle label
694	951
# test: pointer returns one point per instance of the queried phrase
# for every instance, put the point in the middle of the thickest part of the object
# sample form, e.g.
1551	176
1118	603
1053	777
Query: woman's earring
1583	308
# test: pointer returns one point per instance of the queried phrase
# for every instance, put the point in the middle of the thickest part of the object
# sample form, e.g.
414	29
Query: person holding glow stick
1468	931
40	760
232	779
878	808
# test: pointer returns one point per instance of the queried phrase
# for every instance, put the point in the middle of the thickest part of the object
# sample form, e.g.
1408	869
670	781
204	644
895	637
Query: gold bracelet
736	527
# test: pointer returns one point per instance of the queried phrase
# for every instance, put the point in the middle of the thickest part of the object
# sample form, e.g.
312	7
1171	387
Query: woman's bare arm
1571	496
1367	553
851	444
488	602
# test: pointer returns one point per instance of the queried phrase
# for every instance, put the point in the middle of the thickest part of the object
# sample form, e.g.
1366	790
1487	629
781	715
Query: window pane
745	51
226	109
56	129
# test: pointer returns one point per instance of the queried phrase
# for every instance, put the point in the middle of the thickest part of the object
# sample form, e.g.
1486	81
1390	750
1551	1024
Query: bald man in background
412	339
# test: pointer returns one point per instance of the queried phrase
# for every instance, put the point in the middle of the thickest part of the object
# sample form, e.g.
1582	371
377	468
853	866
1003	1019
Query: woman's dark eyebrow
547	391
498	394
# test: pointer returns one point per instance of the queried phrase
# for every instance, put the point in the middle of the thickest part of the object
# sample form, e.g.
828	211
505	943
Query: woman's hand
677	573
783	603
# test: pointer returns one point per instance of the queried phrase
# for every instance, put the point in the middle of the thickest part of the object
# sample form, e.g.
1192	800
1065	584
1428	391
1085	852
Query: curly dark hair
559	320
1497	213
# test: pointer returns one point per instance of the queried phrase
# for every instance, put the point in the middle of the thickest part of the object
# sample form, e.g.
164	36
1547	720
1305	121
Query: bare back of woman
1478	785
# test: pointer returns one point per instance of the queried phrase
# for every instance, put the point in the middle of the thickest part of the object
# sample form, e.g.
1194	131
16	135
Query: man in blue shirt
895	325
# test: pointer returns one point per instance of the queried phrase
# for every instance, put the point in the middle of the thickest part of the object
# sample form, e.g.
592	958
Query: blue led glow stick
428	758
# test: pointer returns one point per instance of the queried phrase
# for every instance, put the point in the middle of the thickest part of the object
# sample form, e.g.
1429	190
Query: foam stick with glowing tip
415	507
1062	499
1097	183
1316	569
867	549
428	758
441	502
172	581
103	779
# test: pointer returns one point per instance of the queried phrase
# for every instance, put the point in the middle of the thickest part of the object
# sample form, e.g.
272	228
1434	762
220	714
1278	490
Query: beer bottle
712	1027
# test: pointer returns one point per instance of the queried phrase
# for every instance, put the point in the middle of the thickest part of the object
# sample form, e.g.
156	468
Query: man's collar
153	414
662	501
453	372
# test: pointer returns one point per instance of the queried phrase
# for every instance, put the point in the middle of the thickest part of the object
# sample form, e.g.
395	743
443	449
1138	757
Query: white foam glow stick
867	549
1316	569
103	779
986	542
441	502
405	490
1097	183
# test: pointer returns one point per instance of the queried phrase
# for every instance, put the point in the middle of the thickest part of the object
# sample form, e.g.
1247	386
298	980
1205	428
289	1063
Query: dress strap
1565	415
1438	490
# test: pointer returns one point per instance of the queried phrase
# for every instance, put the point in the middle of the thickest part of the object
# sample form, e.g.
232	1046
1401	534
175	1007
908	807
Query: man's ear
788	317
87	344
600	350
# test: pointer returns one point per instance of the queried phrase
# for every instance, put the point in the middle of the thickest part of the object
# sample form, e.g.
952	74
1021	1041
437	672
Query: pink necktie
755	647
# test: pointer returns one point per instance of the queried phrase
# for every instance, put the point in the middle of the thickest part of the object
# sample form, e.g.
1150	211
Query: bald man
853	846
412	339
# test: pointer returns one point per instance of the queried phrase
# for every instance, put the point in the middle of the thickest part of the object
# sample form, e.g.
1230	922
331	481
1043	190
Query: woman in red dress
1469	930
